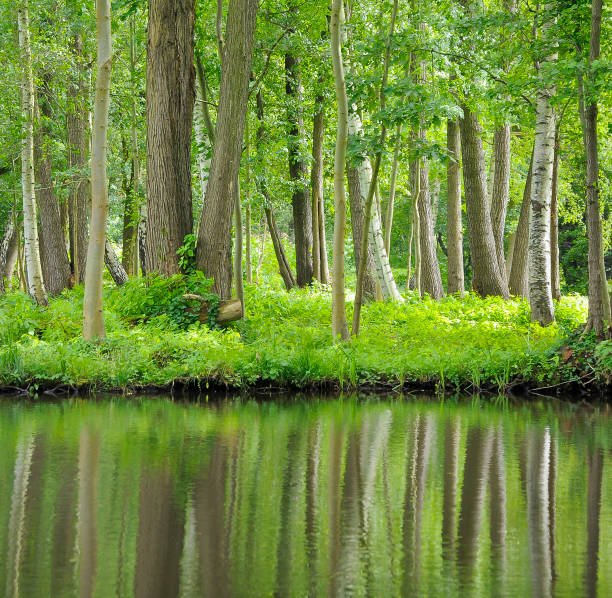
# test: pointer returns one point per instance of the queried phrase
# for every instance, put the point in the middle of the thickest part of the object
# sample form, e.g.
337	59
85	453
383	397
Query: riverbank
284	341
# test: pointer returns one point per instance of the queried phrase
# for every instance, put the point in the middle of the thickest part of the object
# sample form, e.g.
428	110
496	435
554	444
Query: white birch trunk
540	282
375	233
36	285
203	153
93	316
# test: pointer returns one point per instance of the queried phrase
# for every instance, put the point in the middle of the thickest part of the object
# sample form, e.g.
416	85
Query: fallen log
230	310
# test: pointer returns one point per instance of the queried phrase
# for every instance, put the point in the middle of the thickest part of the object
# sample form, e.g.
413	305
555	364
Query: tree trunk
8	250
392	188
540	289
283	263
554	223
356	205
214	236
279	250
518	280
113	265
93	316
431	280
239	283
36	286
454	221
298	170
170	98
339	323
131	214
599	300
316	184
76	116
53	256
486	279
501	187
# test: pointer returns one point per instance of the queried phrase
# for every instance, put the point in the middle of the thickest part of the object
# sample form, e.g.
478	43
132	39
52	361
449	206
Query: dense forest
371	153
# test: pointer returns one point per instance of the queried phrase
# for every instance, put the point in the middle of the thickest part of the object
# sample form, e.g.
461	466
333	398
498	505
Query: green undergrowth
153	338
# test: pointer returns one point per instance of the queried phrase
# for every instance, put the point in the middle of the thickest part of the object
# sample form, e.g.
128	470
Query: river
341	496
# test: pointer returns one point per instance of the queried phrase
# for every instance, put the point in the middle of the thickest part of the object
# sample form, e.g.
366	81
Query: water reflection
154	499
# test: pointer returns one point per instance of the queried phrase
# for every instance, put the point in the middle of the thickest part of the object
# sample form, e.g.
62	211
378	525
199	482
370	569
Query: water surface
151	498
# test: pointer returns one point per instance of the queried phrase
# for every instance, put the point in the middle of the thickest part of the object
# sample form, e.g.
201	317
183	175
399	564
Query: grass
284	340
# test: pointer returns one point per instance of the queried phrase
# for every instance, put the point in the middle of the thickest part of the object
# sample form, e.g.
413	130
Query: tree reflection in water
311	499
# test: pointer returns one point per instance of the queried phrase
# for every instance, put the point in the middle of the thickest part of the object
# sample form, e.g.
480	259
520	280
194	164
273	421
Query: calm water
151	498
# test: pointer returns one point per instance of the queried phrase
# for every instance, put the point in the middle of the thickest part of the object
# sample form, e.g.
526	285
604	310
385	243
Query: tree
93	316
170	98
36	286
298	169
339	323
599	300
213	254
540	283
454	223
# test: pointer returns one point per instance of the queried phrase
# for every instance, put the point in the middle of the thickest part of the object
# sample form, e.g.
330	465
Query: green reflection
151	498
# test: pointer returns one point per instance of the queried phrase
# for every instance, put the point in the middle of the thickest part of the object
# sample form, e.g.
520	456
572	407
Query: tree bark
501	187
540	286
298	170
76	117
454	221
8	250
431	280
356	204
519	279
214	236
93	316
170	98
486	279
388	224
599	299
239	283
53	256
339	322
319	255
36	286
113	265
554	222
131	214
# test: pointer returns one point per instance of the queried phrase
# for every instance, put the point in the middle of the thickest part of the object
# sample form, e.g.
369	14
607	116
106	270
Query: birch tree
35	283
540	283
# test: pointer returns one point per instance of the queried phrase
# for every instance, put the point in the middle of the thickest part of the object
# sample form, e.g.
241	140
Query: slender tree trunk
76	117
454	221
214	236
298	169
356	204
8	250
279	250
554	222
501	187
93	316
247	185
131	214
392	189
239	283
113	265
203	127
53	256
540	287
431	280
519	278
599	299
170	98
36	286
316	183
339	323
487	278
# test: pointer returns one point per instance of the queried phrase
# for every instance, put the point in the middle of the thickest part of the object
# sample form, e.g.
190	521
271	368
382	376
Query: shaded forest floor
284	341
